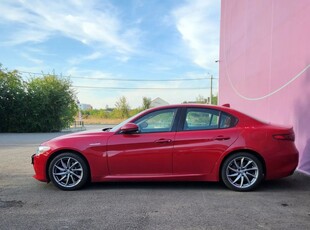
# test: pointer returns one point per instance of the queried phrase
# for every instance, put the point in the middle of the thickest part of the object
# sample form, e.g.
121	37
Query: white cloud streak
89	22
31	59
199	28
100	97
77	60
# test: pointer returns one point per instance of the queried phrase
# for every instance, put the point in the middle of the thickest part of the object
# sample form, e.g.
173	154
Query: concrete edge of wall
303	172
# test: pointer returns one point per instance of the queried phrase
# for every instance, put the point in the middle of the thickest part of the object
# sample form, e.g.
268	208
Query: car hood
80	138
93	132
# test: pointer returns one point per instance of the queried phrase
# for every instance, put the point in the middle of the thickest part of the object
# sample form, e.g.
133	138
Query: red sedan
187	142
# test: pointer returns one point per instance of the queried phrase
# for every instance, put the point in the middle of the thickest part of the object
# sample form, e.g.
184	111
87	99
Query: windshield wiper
106	129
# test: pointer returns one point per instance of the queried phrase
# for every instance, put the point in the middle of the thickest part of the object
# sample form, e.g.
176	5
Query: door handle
162	140
222	138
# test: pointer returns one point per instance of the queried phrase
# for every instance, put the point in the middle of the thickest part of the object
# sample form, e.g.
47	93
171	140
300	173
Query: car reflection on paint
188	142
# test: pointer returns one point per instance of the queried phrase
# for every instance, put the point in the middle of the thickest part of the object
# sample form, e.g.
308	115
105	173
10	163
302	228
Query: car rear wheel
242	172
68	171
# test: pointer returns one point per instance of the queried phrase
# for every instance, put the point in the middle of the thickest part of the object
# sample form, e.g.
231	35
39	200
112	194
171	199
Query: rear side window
200	119
227	121
204	119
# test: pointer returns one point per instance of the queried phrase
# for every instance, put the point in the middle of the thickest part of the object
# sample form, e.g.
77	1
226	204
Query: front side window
200	119
158	121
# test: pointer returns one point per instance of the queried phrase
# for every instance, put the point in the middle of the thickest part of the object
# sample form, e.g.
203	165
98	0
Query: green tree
214	99
122	108
201	99
146	103
41	105
52	102
13	101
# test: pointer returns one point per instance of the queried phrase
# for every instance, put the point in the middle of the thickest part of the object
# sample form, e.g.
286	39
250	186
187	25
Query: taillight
285	137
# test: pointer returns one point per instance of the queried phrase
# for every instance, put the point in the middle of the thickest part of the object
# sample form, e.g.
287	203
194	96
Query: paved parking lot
28	204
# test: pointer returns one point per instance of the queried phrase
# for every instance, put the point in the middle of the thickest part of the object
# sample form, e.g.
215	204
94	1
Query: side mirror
129	128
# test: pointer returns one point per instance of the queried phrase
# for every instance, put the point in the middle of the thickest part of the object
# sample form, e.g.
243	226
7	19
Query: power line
120	79
146	88
129	88
123	79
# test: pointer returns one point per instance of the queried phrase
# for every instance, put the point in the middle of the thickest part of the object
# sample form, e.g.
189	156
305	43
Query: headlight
42	149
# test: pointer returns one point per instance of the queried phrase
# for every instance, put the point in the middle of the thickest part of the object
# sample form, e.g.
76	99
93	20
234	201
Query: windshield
115	128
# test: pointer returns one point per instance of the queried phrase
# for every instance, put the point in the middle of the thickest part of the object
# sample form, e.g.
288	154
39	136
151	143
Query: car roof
195	105
224	108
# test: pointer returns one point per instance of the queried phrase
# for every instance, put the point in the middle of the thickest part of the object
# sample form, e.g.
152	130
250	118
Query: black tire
68	171
242	172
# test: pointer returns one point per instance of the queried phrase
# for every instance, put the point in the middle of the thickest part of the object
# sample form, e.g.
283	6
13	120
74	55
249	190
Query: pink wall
265	63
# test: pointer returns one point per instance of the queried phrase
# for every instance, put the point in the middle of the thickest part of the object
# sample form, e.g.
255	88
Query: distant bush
40	105
108	113
121	111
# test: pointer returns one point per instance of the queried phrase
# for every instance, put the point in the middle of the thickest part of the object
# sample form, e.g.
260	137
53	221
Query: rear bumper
282	165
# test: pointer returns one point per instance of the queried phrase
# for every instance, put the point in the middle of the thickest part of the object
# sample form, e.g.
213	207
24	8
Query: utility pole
211	90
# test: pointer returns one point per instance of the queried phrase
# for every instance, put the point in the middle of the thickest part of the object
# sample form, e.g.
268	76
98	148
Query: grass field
101	121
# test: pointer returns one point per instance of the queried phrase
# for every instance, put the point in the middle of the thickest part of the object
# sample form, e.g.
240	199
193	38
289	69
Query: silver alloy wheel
67	172
242	172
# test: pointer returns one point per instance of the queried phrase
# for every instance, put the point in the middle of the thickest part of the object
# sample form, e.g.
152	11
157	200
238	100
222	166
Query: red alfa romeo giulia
187	142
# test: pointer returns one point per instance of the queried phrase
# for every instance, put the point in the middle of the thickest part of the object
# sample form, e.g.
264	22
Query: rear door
203	135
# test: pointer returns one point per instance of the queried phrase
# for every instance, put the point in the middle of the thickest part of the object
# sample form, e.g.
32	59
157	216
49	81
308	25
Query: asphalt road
29	204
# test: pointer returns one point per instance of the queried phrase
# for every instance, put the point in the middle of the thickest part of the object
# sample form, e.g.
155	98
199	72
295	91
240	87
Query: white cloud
199	28
99	98
92	78
91	22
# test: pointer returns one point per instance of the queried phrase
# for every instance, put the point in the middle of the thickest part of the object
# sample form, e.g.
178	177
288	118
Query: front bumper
39	163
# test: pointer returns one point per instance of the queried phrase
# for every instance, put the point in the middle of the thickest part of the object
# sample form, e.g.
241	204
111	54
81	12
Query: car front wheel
68	171
242	172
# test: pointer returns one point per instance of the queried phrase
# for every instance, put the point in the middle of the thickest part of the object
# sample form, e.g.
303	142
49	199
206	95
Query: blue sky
96	40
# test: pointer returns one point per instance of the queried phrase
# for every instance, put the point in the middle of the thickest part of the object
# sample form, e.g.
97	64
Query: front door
147	152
